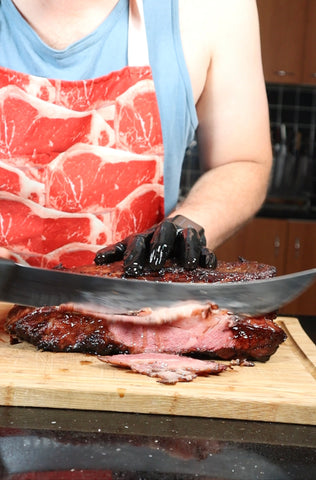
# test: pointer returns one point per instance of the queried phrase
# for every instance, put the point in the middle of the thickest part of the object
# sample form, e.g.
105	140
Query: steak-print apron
81	162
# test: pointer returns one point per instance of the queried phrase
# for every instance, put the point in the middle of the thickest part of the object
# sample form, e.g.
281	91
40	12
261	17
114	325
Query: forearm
225	198
233	132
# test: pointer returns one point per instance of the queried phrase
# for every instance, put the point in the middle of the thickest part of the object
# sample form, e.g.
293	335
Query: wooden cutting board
280	390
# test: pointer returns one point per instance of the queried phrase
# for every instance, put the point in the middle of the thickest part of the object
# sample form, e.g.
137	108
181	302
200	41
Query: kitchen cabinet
262	239
289	245
301	255
287	29
309	67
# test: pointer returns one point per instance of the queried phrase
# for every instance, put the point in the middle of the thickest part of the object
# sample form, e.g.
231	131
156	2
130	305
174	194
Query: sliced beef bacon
170	369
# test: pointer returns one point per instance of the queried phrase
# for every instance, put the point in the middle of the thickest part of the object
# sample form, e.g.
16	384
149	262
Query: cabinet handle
276	244
283	73
297	247
297	244
313	75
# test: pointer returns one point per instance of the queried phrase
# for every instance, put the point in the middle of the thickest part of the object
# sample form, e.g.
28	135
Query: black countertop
309	325
288	211
86	445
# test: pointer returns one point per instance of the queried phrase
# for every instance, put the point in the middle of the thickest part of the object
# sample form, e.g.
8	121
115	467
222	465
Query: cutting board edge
305	346
290	413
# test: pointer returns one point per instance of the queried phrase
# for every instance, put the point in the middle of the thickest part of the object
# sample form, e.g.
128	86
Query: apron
81	162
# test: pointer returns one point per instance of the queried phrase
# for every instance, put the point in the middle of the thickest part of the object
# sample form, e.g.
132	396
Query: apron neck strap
137	38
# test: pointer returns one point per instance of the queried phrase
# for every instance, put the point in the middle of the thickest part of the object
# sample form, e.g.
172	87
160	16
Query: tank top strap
137	37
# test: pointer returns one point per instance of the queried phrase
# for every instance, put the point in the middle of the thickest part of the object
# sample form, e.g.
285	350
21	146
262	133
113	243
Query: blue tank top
104	51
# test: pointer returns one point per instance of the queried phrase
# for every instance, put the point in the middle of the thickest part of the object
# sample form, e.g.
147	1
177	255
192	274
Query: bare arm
233	132
4	253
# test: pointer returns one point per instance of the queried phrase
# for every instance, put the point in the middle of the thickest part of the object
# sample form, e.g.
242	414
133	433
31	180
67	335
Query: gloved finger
184	222
111	253
188	248
202	237
162	244
136	255
207	258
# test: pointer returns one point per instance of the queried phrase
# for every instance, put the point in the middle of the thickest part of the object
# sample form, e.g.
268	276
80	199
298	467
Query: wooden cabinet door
301	255
289	245
282	30
309	70
263	240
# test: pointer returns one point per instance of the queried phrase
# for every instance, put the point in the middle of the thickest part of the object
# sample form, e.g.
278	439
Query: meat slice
147	199
21	219
75	253
145	316
113	173
134	122
45	127
89	94
14	180
215	334
170	369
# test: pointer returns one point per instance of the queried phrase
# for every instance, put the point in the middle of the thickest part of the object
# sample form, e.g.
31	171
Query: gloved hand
176	237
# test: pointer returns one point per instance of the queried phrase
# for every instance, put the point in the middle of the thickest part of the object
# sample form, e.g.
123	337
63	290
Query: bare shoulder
211	13
210	28
221	44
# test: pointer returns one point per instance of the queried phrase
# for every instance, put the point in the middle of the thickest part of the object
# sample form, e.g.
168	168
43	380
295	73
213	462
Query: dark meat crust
241	270
216	334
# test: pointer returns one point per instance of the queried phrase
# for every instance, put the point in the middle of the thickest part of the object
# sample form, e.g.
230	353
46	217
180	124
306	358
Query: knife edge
36	287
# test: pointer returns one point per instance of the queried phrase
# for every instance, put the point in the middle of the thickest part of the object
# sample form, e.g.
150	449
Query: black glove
177	238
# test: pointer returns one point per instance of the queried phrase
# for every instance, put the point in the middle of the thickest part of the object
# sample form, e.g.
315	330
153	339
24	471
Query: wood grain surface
280	390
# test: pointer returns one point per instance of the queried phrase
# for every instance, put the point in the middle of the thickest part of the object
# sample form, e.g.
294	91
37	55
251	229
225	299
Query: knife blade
36	287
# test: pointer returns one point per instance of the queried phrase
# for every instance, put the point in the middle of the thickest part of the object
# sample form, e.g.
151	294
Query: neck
65	7
62	22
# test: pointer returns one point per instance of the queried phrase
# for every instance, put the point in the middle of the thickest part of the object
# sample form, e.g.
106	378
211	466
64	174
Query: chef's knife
37	287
